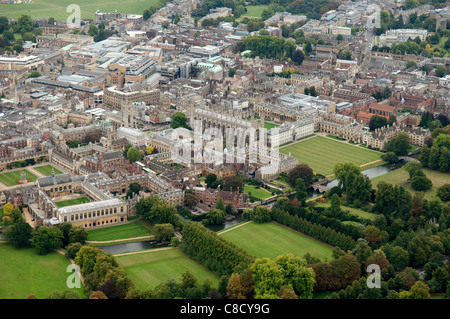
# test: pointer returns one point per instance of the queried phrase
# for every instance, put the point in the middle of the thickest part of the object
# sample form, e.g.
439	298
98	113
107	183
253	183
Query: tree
210	179
46	239
341	169
234	288
302	171
25	23
215	217
220	205
233	183
133	155
163	232
399	145
261	214
297	275
34	74
424	155
443	192
298	56
413	168
410	64
301	194
8	37
179	120
335	207
77	234
98	295
110	289
72	250
433	158
372	235
231	72
18	234
4	22
444	160
421	183
390	157
190	200
268	277
418	291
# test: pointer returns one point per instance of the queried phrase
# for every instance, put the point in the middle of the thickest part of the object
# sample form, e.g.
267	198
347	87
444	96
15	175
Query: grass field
321	154
47	170
353	211
58	8
152	268
24	273
10	179
400	177
254	11
271	240
130	230
72	202
260	193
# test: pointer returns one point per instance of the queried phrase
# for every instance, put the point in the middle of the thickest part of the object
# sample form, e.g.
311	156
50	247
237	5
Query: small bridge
319	186
408	159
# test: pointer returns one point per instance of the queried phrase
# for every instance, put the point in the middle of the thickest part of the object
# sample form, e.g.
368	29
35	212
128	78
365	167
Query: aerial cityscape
225	149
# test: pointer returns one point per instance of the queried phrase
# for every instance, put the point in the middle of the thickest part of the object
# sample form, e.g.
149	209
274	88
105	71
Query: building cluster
95	100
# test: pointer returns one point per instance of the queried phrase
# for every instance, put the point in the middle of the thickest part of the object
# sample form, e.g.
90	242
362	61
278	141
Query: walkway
73	263
373	162
119	240
144	251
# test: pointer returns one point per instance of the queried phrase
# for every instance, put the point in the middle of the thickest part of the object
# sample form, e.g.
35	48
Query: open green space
322	154
58	8
124	231
11	178
72	202
157	266
400	177
47	170
271	240
25	273
260	193
353	211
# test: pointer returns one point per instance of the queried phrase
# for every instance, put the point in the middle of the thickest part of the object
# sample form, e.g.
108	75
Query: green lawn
400	177
271	240
322	154
254	11
260	193
353	211
10	179
130	230
268	125
57	8
152	268
25	273
47	170
72	202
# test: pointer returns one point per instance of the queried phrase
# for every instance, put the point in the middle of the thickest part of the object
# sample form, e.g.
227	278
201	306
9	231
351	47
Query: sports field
58	8
271	240
130	230
72	202
260	193
11	178
322	154
47	170
157	266
25	273
400	177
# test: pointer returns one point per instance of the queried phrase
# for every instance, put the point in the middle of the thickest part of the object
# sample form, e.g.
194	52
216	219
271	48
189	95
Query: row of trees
317	231
212	251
